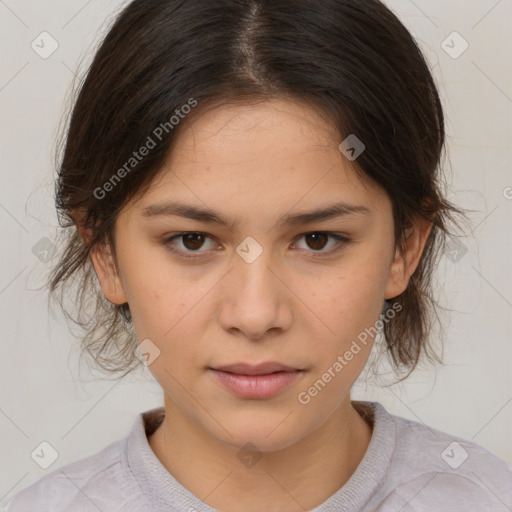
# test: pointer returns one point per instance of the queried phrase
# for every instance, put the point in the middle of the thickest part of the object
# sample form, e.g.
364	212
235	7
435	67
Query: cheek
349	302
351	297
172	314
158	294
366	278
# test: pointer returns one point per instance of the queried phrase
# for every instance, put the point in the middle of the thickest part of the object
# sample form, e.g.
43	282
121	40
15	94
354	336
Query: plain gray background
44	396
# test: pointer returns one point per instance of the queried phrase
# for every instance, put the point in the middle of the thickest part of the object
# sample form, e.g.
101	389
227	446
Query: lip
263	381
259	369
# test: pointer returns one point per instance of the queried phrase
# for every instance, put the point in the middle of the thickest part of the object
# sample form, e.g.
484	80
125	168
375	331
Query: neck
282	480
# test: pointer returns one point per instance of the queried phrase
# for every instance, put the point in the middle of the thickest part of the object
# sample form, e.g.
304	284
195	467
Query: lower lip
256	386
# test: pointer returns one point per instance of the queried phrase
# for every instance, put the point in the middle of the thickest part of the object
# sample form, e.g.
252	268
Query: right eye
189	242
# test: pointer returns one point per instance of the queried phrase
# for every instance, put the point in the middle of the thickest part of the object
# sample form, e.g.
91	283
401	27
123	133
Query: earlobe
110	281
405	262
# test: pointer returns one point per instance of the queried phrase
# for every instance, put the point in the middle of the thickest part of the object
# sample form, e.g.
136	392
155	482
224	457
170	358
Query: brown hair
351	59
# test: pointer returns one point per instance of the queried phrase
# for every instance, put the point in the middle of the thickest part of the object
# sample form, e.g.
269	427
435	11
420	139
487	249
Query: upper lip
259	369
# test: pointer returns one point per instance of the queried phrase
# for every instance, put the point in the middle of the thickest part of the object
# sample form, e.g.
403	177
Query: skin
255	164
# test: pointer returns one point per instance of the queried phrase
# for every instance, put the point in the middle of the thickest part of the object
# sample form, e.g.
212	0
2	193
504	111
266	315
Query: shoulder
434	470
97	482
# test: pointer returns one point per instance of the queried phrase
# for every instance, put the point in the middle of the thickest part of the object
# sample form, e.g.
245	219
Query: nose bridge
252	300
252	271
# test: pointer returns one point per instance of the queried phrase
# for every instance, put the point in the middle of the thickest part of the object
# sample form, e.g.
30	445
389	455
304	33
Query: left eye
317	241
192	241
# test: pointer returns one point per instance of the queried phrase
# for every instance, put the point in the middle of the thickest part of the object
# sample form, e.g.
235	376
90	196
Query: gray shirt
408	467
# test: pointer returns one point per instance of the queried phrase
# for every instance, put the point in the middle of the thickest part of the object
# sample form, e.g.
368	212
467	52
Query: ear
104	265
406	262
110	281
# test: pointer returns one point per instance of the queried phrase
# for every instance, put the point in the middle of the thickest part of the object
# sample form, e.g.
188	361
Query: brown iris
196	240
317	237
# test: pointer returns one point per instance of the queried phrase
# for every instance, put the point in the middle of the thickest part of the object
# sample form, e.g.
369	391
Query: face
268	285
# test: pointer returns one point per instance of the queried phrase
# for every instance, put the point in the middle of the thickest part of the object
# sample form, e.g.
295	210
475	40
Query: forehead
253	159
237	133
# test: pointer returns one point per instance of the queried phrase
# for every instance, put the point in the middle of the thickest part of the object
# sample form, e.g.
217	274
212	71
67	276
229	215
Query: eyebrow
331	211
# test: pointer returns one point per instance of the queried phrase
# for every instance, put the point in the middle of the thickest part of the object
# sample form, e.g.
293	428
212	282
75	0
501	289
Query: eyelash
341	241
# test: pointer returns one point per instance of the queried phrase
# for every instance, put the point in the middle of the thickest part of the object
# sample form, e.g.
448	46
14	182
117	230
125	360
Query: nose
254	299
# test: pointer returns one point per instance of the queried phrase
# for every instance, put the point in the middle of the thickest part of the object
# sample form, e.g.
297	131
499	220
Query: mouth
259	369
262	381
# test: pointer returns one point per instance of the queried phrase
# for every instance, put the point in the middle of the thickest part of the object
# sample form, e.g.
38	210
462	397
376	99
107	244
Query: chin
268	433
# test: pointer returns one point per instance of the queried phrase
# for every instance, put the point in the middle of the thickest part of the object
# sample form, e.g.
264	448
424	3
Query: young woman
252	193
